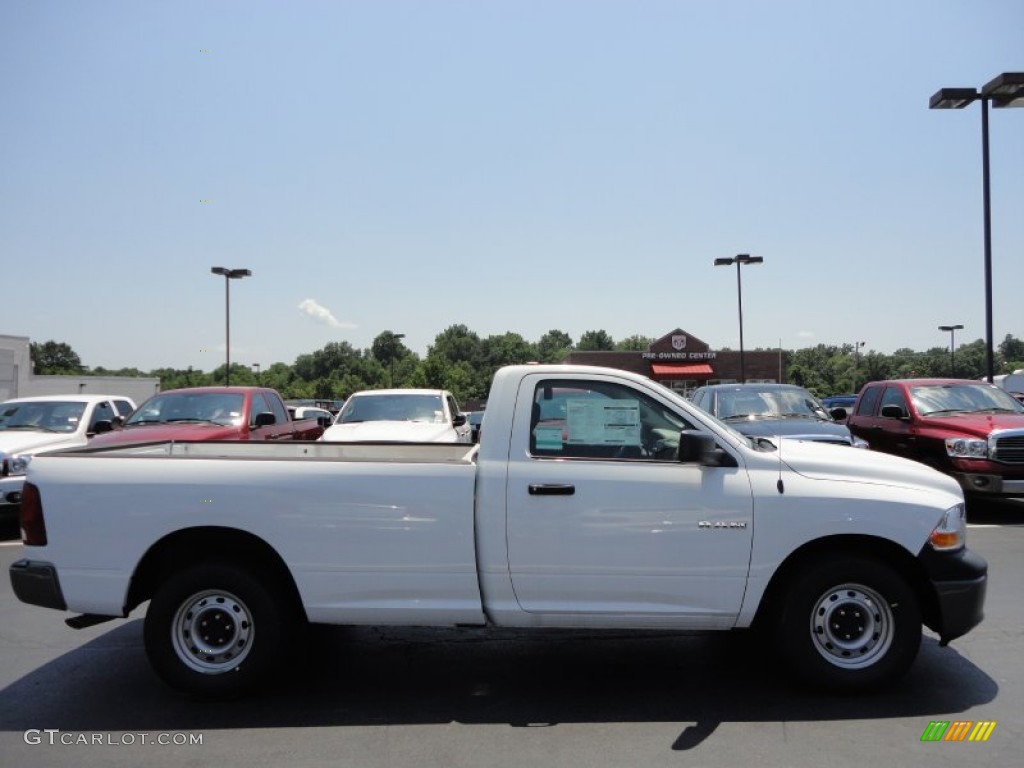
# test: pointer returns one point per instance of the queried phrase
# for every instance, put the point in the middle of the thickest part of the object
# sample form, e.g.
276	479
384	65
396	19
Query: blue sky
513	166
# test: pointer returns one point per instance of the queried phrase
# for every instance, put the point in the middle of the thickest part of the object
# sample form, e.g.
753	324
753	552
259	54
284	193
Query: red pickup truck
212	413
968	429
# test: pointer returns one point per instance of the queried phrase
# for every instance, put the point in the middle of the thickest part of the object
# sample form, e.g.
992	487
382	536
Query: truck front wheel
216	630
849	624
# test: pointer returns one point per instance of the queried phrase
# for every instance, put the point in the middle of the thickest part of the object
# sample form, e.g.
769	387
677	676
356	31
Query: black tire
849	624
217	631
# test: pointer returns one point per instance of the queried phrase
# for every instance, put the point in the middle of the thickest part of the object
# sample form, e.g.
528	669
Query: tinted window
124	408
102	412
894	396
868	400
259	405
277	408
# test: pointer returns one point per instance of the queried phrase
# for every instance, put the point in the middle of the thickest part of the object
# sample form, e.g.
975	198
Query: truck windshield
51	416
935	400
183	407
397	407
769	404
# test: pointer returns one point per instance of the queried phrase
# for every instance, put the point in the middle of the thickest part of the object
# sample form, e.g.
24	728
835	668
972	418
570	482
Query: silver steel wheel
852	626
212	632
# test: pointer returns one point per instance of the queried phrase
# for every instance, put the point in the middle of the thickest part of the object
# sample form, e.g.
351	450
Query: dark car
774	410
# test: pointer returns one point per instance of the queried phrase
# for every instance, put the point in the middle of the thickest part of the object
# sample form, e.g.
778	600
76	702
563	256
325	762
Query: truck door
602	518
281	429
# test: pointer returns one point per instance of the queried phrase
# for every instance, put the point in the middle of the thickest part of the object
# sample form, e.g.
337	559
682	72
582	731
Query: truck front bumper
981	484
958	581
37	584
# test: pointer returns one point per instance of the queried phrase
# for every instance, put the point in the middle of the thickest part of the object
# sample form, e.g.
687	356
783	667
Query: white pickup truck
400	415
596	499
32	425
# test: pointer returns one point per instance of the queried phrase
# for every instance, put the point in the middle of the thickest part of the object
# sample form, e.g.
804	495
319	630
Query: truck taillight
33	528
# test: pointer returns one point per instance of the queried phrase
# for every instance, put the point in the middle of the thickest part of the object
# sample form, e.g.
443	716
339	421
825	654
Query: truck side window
894	396
453	406
601	420
280	414
867	401
102	412
259	405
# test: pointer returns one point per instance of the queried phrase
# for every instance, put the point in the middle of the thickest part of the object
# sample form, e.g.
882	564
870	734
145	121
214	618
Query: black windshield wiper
190	420
143	421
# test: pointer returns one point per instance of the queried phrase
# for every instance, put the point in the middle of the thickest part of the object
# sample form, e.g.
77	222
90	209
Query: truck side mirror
459	420
101	426
700	448
265	419
838	413
893	412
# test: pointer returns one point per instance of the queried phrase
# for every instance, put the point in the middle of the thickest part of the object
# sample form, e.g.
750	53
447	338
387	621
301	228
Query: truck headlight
17	465
951	532
966	448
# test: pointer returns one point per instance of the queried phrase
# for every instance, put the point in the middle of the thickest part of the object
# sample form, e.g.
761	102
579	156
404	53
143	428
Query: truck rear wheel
849	624
217	630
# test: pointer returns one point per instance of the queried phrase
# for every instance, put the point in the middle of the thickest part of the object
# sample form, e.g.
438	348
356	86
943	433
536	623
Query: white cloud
805	334
322	314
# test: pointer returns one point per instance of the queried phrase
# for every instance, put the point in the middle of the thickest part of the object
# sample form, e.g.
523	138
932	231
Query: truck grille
1010	448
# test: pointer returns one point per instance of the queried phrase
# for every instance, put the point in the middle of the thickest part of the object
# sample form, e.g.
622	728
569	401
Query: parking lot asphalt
379	696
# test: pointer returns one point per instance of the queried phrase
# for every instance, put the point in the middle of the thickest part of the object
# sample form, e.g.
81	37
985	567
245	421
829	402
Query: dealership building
682	362
17	379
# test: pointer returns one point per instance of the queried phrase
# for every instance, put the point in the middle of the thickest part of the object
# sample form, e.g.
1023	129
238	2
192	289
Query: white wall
16	379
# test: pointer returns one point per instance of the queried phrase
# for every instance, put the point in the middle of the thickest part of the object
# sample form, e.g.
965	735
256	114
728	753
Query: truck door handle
551	489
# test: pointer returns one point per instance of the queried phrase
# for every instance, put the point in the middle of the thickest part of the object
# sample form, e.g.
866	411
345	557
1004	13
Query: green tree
53	357
1012	351
387	349
634	343
456	344
554	346
334	358
595	341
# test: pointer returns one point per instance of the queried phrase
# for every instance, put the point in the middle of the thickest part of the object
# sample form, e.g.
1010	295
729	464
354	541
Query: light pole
395	338
739	261
856	354
229	275
257	367
1006	90
952	343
